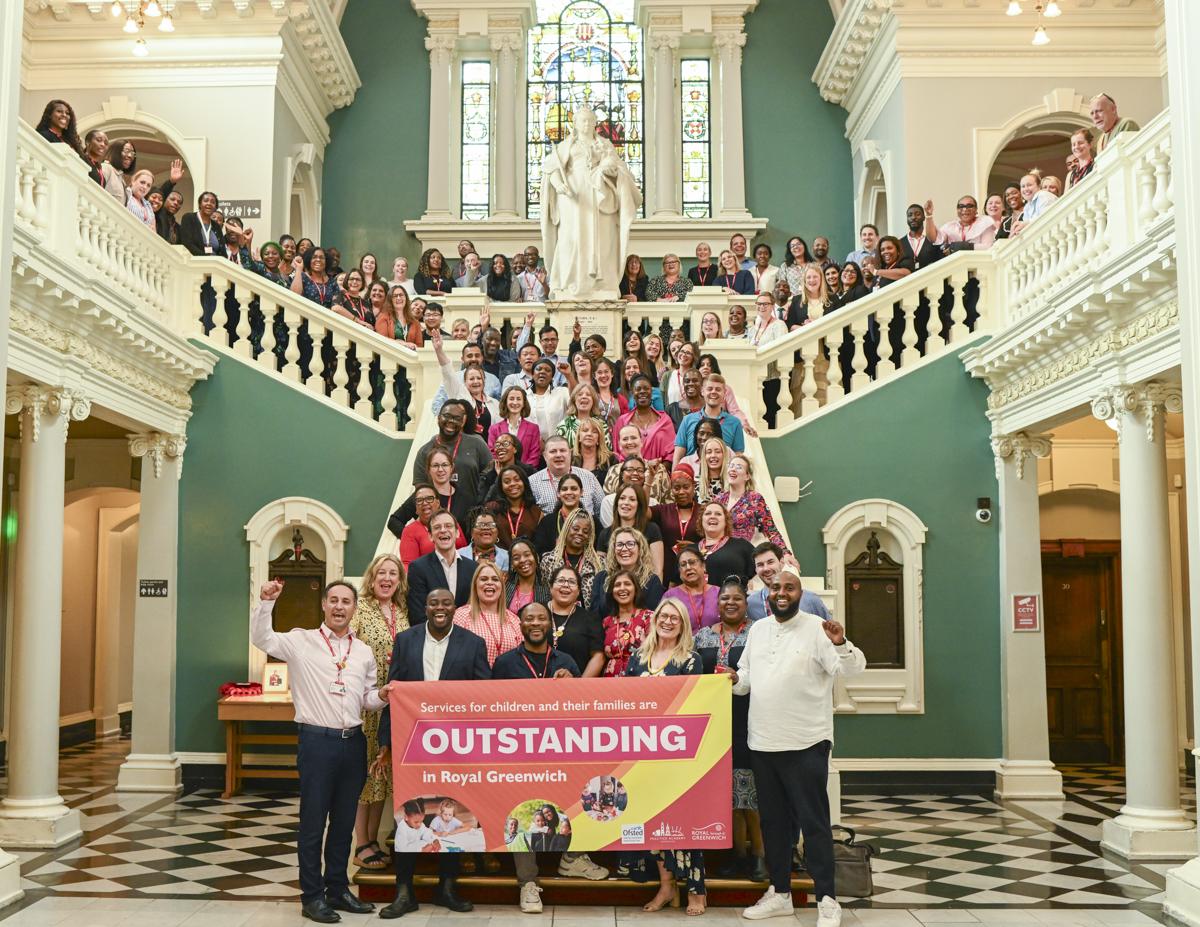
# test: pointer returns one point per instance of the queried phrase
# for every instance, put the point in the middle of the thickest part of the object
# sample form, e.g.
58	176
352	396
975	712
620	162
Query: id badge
337	687
208	249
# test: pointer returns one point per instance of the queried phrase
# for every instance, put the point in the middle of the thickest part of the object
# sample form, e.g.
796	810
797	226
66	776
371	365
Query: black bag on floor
852	865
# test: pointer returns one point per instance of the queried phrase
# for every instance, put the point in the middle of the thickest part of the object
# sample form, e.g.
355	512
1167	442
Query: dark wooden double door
1081	597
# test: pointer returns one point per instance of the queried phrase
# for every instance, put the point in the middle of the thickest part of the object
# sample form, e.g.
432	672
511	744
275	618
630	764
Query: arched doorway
1044	147
873	196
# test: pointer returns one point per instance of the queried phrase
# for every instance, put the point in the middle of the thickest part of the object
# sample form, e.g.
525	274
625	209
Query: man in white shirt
868	235
544	483
333	680
788	667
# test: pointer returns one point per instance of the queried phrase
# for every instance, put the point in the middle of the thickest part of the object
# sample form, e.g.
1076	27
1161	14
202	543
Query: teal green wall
376	162
798	169
252	440
921	441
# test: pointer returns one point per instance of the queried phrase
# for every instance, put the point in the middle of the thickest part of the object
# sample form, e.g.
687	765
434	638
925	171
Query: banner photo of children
438	824
537	826
604	798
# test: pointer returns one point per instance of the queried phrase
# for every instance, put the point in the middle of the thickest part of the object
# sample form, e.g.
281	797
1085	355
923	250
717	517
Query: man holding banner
534	659
788	668
435	649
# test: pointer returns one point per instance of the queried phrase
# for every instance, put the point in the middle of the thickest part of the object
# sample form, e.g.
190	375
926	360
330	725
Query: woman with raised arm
310	279
471	387
748	511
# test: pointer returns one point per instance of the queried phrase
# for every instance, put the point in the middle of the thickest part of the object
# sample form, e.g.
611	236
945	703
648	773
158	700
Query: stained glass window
583	53
476	138
696	137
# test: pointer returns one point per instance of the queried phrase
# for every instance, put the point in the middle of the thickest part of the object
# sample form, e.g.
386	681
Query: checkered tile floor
935	852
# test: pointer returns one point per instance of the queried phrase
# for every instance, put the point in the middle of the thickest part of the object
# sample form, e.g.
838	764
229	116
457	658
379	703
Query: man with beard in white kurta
589	199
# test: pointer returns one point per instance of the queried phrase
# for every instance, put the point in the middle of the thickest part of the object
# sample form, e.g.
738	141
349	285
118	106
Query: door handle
1096	676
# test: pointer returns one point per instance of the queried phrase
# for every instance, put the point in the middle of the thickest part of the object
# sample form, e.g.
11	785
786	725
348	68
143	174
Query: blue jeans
332	772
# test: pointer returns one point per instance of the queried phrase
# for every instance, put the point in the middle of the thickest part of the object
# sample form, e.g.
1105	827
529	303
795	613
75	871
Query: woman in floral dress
380	616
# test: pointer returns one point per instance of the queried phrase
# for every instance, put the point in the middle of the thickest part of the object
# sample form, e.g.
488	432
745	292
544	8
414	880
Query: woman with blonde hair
714	465
710	327
668	650
138	201
591	448
583	404
486	614
381	615
628	549
656	353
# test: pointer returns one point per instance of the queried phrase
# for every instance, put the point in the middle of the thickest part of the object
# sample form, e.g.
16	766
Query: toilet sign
1026	616
152	588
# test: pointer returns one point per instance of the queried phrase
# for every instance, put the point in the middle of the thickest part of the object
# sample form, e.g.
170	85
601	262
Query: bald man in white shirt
788	667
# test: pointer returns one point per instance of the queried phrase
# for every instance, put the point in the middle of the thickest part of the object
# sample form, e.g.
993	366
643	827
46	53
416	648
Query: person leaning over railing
1108	122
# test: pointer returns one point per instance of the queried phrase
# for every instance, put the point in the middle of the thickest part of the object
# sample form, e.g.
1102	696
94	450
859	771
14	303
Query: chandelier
137	12
1049	10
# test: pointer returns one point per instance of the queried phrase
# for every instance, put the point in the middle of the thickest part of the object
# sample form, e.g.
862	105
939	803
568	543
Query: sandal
697	905
666	896
382	852
374	861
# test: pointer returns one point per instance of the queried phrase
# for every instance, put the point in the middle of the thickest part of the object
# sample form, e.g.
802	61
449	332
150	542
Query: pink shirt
981	232
658	441
500	633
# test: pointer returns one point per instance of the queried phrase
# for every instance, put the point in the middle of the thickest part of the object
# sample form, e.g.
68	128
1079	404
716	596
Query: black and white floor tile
198	859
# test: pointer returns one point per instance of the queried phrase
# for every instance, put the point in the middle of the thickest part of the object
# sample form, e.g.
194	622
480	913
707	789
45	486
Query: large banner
549	765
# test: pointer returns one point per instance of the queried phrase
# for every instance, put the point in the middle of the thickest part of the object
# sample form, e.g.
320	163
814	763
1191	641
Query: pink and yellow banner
550	765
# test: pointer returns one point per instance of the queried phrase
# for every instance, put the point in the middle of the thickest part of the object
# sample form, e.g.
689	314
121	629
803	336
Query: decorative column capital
505	42
1018	447
440	48
158	447
34	401
661	39
730	44
1146	400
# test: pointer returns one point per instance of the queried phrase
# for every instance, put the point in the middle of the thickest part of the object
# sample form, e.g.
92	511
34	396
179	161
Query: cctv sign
1026	615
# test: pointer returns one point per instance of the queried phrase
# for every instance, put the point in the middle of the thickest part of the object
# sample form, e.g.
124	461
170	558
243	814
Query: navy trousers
332	772
793	800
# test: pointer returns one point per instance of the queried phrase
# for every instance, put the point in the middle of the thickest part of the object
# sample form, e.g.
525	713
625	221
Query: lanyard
389	615
683	525
454	453
338	661
529	663
207	229
704	272
724	648
695	608
514	525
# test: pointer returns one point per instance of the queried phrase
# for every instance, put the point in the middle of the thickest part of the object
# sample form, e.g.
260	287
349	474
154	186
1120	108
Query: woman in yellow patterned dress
381	615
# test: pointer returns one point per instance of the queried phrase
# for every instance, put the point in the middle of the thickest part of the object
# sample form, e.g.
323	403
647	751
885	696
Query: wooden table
235	711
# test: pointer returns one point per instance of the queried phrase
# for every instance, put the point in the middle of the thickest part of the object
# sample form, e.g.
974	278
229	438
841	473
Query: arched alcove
873	193
1037	136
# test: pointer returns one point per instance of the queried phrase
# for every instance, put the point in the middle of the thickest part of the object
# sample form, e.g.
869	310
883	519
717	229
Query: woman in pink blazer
514	411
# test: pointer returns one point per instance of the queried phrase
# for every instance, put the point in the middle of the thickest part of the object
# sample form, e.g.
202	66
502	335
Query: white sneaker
771	905
829	912
580	866
531	898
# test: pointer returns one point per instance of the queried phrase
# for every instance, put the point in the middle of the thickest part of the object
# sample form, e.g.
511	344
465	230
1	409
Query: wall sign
242	209
152	588
1026	613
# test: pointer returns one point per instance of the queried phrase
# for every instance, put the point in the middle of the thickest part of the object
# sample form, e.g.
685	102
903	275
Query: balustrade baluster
268	342
1145	192
859	379
886	366
316	366
808	382
25	200
840	344
341	370
1162	167
390	417
242	346
958	307
41	201
908	334
290	324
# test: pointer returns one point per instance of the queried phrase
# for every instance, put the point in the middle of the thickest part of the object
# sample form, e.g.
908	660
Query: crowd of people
591	511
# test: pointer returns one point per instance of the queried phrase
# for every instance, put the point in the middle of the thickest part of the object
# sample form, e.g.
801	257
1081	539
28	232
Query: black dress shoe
733	868
403	903
320	912
347	902
757	870
446	897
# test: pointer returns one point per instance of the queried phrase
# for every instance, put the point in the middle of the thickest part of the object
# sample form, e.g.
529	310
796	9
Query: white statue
589	199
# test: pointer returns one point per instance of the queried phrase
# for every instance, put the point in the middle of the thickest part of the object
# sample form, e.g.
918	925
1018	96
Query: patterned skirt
745	795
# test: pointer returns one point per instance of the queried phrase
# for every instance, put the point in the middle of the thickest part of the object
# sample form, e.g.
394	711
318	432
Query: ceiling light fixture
1048	9
153	9
117	9
1039	36
141	49
167	24
136	13
1014	8
1052	10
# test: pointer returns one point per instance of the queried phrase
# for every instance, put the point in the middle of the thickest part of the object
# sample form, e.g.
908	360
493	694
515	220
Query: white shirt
788	668
411	839
449	567
312	671
433	654
764	280
549	409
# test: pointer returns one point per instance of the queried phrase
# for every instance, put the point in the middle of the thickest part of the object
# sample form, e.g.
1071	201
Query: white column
152	764
1151	825
504	146
733	162
1183	85
441	77
1026	770
12	16
33	814
667	166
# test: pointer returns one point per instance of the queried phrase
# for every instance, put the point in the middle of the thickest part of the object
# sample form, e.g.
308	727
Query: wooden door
1081	683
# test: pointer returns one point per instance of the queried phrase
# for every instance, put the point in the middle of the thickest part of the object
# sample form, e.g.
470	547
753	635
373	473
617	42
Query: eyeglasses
625	545
566	581
427	500
966	206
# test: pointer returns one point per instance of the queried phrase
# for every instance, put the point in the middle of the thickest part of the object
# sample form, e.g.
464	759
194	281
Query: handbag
852	865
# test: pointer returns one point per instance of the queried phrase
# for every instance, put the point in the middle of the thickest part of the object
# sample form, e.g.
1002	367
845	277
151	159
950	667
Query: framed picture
275	679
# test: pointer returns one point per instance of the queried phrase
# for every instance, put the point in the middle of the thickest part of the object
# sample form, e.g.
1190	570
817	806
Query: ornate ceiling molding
853	35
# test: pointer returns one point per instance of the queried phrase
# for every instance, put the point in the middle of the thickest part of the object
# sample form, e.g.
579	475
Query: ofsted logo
633	834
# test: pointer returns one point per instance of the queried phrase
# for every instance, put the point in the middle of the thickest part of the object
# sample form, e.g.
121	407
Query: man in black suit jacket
915	245
197	231
429	572
452	653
